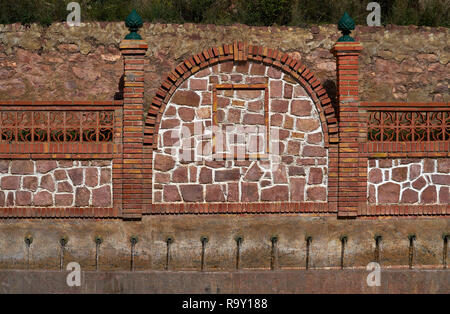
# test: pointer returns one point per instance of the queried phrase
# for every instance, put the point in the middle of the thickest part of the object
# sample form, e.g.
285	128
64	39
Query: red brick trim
406	210
240	208
352	169
405	149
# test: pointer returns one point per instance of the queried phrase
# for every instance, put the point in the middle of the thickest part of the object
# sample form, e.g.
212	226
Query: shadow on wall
331	88
119	95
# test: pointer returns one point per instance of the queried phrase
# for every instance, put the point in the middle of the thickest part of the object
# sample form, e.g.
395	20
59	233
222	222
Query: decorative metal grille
408	126
56	126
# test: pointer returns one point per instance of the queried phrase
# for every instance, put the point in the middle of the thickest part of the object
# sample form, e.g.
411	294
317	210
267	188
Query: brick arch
241	52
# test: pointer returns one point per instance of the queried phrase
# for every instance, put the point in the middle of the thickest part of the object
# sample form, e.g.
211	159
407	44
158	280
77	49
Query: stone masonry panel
185	168
55	183
409	181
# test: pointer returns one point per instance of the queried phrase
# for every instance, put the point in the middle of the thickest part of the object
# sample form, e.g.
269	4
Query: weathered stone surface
276	89
23	198
385	163
293	148
105	176
63	200
186	114
315	176
441	179
4	166
279	174
301	108
297	189
444	195
76	175
443	165
186	98
233	192
429	165
429	195
101	197
10	199
205	175
410	196
82	197
214	193
296	171
400	174
47	183
192	192
171	194
375	176
249	192
44	166
163	162
314	138
64	187
279	105
314	151
22	167
276	193
372	194
388	193
10	182
414	171
316	193
252	119
180	175
91	178
43	198
419	183
169	123
307	125
60	175
227	175
2	198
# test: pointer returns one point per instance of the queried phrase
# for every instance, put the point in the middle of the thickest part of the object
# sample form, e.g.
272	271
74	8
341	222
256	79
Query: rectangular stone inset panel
240	121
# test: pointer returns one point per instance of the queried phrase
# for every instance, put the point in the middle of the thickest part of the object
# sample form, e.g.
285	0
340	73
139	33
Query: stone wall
409	181
407	63
289	160
57	183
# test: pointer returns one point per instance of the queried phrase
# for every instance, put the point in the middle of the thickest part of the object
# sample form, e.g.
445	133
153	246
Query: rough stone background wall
409	181
407	63
295	168
62	183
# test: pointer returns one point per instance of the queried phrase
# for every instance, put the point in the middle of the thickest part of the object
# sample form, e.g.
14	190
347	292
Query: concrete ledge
242	282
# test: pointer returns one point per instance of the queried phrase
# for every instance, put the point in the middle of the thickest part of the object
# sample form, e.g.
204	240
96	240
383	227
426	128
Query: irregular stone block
82	197
10	182
22	167
214	193
388	193
276	193
171	194
192	192
297	187
43	198
76	175
316	193
91	177
249	192
101	197
44	166
23	198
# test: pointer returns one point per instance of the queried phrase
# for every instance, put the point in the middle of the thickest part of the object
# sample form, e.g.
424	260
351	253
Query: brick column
133	52
352	167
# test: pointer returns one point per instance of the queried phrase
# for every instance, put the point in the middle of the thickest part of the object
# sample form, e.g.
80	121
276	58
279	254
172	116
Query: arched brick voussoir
238	52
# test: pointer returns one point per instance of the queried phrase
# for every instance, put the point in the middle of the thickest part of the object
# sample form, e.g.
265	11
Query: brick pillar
352	167
133	52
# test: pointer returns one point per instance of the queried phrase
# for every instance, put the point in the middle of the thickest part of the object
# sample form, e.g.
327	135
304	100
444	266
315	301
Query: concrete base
242	282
